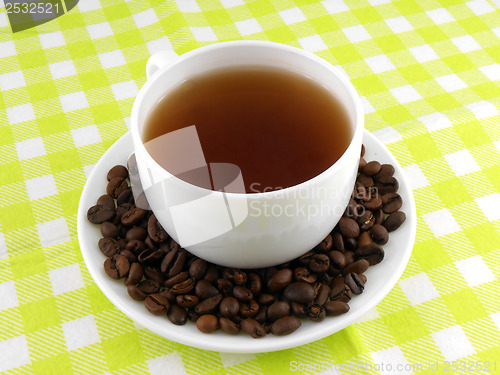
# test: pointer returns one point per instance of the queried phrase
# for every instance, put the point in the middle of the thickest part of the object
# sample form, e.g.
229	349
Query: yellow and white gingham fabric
428	73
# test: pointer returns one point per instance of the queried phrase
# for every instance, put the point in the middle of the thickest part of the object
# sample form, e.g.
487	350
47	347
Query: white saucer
381	278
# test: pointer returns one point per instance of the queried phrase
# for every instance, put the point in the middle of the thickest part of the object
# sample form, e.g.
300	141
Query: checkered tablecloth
428	73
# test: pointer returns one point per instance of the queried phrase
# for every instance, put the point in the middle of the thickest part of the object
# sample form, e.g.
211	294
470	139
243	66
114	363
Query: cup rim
358	109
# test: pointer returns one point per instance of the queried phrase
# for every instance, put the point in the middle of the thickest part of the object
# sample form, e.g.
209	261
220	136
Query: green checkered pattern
428	73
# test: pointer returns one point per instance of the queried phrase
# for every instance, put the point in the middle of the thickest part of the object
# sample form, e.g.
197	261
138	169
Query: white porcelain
381	278
246	230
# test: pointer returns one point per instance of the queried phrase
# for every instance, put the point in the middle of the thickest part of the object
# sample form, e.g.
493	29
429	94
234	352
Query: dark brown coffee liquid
279	127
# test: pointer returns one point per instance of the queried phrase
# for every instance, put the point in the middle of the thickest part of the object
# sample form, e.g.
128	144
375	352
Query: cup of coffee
246	151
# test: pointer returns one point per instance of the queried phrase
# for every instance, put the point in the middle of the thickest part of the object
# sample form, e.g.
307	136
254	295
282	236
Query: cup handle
158	60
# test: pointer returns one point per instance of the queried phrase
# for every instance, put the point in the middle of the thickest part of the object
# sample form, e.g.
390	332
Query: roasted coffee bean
117	171
193	315
109	230
133	217
349	257
178	264
154	274
225	287
98	214
285	325
304	274
183	287
360	192
205	290
364	239
207	323
394	221
371	168
149	286
373	204
326	244
348	227
116	267
335	308
212	273
354	282
365	221
322	294
266	299
337	259
386	170
299	292
236	276
157	304
338	242
168	260
125	196
208	305
319	263
379	216
387	184
339	291
116	186
177	315
298	310
358	266
198	268
137	247
136	233
253	328
149	243
363	150
280	279
242	293
248	309
134	274
391	202
135	293
156	231
304	258
168	295
363	278
351	244
365	180
254	283
352	211
150	256
187	300
372	253
106	200
229	307
277	310
180	277
316	313
379	234
109	246
129	255
362	163
261	316
229	326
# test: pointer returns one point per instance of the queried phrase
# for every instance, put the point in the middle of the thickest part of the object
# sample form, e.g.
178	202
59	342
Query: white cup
229	227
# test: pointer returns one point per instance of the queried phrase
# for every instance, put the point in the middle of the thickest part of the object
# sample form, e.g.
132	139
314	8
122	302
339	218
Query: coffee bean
117	171
248	309
352	211
180	277
135	293
154	274
109	246
362	163
133	217
98	214
280	279
156	231
360	192
149	256
136	233
326	244
192	315
354	282
391	202
157	304
177	315
254	283
277	310
386	170
236	276
298	310
253	328
339	291
366	220
178	264
109	230
338	242
168	295
299	292
116	186
373	204
207	323
137	247
379	234
106	200
335	308
364	239
285	325
168	260
363	278
371	168
316	313
349	256
363	150
212	273
225	287
229	326
116	267
304	274
205	290
208	305
229	307
337	259
394	221
266	299
387	184
242	293
365	180
261	316
134	274
322	294
125	196
319	263
183	287
358	266
373	253
149	286
187	300
348	227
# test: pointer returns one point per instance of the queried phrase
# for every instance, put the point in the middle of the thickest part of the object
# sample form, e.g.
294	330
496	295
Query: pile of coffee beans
174	283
